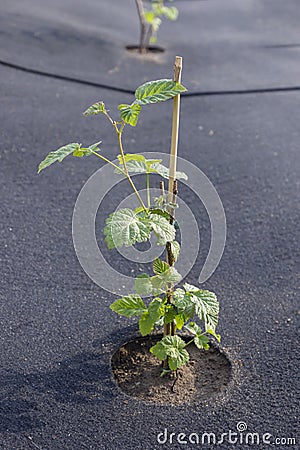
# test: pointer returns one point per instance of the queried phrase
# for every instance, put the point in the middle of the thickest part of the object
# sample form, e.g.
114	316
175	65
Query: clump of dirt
137	372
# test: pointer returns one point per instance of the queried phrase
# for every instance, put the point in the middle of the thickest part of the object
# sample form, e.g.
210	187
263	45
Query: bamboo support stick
169	329
175	129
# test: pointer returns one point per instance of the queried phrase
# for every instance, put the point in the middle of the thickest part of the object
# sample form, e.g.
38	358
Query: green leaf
149	318
137	163
155	24
149	16
146	323
156	308
125	227
184	304
59	155
129	306
164	372
170	313
163	171
160	212
202	342
160	282
206	305
193	328
158	91
164	231
143	285
171	13
179	321
130	113
132	157
135	166
160	266
214	334
175	249
87	151
173	348
96	108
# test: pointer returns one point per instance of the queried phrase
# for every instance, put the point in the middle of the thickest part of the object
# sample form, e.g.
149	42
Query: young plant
150	21
171	308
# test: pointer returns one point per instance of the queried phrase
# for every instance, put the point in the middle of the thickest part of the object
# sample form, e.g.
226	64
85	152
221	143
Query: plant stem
109	162
148	189
119	133
143	24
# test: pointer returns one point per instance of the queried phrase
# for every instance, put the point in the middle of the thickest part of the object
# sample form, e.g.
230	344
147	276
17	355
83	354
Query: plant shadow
24	398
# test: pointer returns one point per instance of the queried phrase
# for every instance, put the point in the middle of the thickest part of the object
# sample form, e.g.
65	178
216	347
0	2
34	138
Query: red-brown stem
143	26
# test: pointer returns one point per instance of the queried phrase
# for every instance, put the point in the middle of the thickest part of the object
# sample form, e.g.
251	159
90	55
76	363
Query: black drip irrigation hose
129	91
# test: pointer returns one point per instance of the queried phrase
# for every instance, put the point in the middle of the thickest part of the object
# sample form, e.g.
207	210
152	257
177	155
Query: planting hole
137	373
152	49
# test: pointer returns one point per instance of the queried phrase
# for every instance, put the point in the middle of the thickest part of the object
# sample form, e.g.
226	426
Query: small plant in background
150	21
170	307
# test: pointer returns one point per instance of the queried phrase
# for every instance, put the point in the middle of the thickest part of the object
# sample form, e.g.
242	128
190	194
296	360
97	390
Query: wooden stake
169	328
175	129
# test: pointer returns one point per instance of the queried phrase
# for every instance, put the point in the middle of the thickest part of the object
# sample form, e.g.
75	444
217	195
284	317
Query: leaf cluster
186	303
154	17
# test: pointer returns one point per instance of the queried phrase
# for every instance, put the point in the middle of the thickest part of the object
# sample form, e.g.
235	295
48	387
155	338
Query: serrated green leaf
202	342
135	166
193	328
170	313
173	348
158	91
146	323
130	113
163	171
58	155
184	304
150	317
129	306
164	231
206	305
160	266
125	227
137	163
160	212
156	308
156	285
96	108
161	281
143	285
175	249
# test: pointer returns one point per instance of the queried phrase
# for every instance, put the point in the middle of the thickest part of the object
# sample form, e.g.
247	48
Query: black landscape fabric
57	332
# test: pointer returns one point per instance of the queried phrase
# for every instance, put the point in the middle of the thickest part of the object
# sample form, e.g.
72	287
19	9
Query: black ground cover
57	333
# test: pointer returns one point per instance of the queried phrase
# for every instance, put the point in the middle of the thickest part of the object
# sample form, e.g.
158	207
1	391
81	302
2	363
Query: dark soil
137	373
